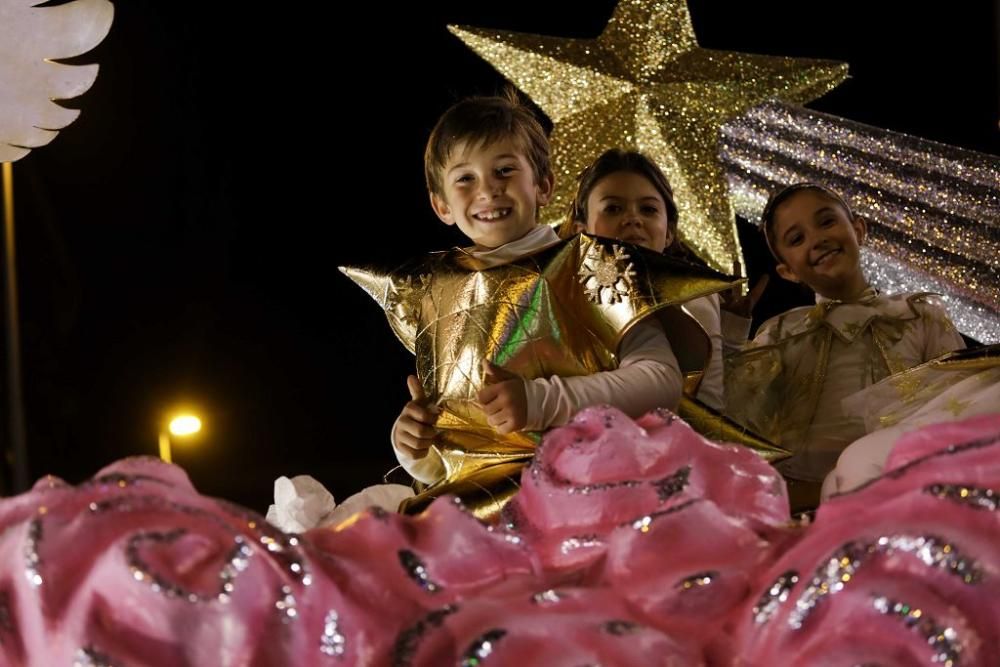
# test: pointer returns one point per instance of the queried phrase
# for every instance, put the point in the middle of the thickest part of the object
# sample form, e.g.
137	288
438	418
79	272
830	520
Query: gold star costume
790	384
560	311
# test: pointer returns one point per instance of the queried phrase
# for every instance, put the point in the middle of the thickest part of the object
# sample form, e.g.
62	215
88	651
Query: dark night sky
180	240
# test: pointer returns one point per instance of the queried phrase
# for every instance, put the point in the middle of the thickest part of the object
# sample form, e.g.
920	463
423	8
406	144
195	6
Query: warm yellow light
184	425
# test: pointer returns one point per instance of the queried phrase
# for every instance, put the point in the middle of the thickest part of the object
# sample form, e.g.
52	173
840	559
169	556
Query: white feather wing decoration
32	38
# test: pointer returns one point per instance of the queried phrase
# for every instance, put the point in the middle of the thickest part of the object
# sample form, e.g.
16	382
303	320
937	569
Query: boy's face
818	243
490	193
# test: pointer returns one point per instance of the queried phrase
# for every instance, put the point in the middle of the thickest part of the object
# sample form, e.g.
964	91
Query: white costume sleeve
706	310
648	377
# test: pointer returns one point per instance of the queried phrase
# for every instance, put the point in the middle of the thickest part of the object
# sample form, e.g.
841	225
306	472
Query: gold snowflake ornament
607	275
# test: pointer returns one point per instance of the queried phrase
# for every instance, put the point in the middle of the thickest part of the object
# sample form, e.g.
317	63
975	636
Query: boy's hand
503	399
743	305
414	430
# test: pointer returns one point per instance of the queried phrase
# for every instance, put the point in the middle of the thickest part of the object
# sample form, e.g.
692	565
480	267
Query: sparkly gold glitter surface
645	84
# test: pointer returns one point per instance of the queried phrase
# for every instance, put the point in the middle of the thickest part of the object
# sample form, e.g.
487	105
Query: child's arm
648	377
412	436
736	313
735	331
711	390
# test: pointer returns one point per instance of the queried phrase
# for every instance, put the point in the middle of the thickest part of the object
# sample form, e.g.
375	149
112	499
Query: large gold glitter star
645	84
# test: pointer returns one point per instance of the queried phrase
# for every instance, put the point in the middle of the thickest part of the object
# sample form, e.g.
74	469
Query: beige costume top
788	385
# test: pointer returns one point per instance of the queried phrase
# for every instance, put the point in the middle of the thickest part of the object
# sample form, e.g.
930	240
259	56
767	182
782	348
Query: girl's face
625	205
819	244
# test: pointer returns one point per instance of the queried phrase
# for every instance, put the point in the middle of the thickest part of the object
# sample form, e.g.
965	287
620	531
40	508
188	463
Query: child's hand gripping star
414	430
503	399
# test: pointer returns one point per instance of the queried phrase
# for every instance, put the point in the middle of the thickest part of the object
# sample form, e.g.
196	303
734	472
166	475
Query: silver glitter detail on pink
774	597
282	547
417	571
666	487
579	542
31	558
670	486
699	580
88	657
285	549
409	639
550	596
971	496
332	643
943	641
506	531
644	523
587	489
237	562
482	648
286	605
844	564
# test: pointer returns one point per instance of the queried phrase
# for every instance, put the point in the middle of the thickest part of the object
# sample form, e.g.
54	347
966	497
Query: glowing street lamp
181	426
